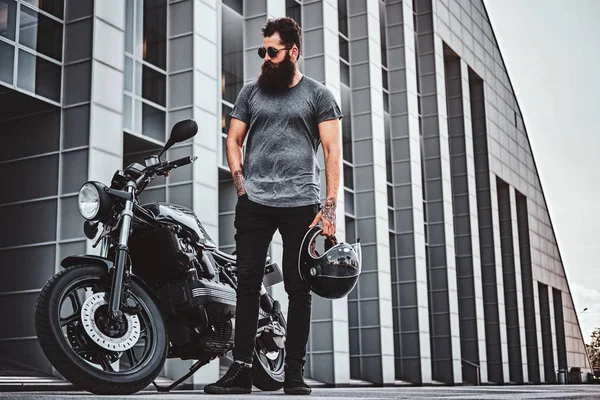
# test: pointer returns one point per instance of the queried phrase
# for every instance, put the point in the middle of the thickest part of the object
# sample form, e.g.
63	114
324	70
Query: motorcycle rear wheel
79	358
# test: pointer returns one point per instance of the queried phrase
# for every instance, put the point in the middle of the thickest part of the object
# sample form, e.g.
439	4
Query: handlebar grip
182	161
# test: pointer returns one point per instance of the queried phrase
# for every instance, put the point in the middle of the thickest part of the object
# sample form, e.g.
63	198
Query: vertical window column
469	339
437	197
546	322
509	283
327	361
407	243
375	362
559	323
533	363
232	81
486	231
145	99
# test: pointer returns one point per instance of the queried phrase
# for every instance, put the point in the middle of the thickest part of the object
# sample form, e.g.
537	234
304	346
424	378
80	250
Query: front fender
86	259
89	259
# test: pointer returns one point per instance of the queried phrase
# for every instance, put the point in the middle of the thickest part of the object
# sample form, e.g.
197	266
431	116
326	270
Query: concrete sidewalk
363	393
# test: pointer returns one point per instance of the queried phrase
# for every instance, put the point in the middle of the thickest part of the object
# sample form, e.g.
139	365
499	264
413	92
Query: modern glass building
462	276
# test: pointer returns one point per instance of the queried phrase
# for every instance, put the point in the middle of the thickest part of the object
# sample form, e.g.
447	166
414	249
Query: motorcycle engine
199	307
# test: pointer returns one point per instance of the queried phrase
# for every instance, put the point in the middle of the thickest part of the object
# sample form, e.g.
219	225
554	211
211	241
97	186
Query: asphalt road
497	392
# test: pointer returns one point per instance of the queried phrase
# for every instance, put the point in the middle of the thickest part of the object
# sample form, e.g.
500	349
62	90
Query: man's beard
277	77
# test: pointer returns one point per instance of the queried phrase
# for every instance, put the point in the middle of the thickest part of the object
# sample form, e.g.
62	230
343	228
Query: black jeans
255	225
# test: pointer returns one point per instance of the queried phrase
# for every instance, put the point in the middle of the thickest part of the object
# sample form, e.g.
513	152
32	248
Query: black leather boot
294	381
237	380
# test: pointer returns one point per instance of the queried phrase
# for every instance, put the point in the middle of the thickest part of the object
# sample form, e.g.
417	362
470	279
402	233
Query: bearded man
285	116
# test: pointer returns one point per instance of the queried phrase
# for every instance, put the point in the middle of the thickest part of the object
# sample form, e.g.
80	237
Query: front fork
121	255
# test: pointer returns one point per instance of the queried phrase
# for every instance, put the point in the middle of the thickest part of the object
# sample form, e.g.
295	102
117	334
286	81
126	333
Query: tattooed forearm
329	210
238	182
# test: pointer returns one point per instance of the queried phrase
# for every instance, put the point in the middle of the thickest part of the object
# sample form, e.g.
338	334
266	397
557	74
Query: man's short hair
289	31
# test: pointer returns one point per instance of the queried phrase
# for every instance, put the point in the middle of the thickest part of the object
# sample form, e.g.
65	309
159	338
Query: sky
552	53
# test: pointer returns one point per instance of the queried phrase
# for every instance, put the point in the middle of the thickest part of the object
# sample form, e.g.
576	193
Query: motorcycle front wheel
269	366
70	321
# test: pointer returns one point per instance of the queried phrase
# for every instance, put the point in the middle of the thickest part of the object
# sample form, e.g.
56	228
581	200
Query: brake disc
91	328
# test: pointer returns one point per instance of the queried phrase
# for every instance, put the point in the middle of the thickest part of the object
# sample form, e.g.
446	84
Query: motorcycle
159	289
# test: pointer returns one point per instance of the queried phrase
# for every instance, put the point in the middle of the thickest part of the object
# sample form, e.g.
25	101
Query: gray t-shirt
280	162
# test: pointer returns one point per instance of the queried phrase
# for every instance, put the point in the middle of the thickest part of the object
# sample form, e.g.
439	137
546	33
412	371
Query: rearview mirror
182	131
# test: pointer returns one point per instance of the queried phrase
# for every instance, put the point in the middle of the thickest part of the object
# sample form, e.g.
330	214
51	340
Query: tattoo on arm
329	210
238	182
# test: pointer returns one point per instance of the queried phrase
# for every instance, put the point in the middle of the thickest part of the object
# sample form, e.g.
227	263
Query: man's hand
328	216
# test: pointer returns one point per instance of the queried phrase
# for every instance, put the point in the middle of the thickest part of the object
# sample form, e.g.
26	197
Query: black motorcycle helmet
333	274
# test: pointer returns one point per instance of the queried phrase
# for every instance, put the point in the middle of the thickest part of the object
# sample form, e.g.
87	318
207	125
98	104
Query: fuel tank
184	217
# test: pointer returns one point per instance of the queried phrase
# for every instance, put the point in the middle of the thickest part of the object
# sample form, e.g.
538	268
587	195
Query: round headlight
89	201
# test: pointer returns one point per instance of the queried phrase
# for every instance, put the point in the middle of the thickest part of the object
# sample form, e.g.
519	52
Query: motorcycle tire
71	365
264	377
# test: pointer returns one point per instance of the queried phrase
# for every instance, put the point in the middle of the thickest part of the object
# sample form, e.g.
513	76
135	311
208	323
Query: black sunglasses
271	50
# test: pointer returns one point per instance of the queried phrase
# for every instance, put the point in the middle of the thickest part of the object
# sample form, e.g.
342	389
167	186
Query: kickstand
197	365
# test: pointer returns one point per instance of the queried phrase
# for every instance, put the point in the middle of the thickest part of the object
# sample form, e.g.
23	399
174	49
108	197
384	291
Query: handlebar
162	168
181	162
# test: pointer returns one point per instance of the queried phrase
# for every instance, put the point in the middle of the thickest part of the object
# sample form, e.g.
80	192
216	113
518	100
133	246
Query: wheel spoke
75	301
131	357
70	319
96	288
143	333
105	363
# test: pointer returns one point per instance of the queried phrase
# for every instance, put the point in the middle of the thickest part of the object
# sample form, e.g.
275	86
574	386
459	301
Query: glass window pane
349	202
154	123
233	55
138	30
382	33
129	26
224	162
154	86
39	76
41	33
48	79
343	43
348	177
292	10
384	79
345	73
7	61
350	230
155	32
343	16
225	118
137	117
346	123
235	5
8	18
54	7
386	102
26	73
138	79
128	74
127	119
